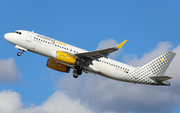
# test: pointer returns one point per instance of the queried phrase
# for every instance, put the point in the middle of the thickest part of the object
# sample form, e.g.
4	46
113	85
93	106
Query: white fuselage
63	56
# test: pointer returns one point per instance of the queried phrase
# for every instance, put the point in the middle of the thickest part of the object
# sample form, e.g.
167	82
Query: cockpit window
17	32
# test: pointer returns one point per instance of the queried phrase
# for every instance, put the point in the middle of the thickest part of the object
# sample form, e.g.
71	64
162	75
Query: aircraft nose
7	36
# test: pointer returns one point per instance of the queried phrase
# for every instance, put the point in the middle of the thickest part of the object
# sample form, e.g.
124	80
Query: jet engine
65	57
57	66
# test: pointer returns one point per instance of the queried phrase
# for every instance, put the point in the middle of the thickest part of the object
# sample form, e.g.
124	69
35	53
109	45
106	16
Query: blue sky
149	26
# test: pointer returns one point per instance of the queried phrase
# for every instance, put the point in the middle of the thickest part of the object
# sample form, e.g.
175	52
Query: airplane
62	57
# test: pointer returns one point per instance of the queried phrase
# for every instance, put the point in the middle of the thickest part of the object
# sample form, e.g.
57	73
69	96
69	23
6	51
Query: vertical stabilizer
158	66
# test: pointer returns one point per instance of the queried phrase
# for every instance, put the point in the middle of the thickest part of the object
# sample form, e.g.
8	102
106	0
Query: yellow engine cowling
57	66
65	57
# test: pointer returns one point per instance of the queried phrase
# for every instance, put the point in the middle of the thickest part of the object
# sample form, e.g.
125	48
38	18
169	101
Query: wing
94	55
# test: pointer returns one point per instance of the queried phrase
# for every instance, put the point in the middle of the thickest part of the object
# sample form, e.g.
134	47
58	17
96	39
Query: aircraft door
29	36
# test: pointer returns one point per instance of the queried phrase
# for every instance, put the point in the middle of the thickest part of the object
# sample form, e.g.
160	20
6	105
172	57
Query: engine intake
51	63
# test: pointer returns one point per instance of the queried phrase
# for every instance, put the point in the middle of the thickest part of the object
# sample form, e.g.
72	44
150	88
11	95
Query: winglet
121	44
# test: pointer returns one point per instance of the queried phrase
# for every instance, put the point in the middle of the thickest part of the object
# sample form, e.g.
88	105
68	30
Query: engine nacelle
65	57
57	66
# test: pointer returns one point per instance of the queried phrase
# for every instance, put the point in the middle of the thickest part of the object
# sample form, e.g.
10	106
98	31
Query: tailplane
160	78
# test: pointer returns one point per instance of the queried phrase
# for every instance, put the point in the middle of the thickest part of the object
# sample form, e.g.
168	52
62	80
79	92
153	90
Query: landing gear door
29	36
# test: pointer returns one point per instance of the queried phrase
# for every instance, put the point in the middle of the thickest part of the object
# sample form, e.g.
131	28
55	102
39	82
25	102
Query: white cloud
105	95
8	71
59	102
9	101
107	44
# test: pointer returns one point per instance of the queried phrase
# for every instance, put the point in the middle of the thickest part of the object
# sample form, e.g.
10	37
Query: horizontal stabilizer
160	78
